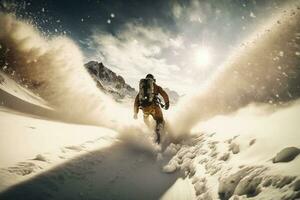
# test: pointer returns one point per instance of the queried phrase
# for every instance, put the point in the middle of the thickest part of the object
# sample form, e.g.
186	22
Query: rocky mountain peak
109	81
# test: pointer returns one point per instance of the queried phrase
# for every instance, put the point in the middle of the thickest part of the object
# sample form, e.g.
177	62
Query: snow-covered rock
286	154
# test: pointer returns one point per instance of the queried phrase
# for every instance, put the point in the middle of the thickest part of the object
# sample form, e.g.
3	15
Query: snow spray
265	69
53	68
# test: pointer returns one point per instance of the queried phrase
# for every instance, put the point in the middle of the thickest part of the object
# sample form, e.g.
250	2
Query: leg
158	130
146	119
158	117
147	112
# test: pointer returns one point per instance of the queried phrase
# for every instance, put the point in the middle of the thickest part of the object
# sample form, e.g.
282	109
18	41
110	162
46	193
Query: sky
182	43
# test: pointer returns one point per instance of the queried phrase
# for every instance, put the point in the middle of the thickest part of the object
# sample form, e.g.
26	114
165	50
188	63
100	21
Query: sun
203	56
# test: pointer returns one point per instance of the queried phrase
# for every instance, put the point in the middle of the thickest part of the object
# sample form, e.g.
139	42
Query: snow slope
42	159
19	98
10	87
231	156
93	163
30	146
45	159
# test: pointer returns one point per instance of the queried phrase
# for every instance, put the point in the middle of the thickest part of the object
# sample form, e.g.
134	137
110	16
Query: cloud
170	49
192	11
137	50
177	10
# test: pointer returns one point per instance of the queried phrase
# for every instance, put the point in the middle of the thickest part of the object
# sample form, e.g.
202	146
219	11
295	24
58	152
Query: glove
167	105
135	116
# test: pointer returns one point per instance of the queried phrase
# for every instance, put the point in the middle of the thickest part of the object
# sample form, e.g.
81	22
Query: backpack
146	92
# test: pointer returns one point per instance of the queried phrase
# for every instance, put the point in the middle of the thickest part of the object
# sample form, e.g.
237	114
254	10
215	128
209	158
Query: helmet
150	76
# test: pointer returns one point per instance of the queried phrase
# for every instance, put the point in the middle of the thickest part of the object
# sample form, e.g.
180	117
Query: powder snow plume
264	70
53	68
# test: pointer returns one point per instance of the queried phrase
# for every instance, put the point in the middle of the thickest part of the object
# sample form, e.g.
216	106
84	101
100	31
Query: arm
136	104
163	94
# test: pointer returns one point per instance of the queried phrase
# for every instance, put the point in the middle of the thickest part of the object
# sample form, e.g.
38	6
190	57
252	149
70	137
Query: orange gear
153	110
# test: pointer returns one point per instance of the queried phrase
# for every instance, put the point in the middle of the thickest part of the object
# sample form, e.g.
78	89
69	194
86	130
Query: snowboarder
148	101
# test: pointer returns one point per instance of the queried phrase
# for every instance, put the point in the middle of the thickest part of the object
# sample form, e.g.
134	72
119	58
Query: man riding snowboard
147	99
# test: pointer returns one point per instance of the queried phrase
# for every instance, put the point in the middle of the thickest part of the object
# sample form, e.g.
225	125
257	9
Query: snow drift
265	69
53	68
235	156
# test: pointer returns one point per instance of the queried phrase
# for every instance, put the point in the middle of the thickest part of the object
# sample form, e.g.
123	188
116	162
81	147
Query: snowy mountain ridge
109	82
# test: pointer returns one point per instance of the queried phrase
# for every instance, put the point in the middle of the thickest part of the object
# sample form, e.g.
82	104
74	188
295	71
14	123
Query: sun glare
203	56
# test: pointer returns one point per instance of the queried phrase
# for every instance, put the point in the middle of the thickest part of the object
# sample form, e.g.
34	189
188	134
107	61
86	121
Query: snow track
115	172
